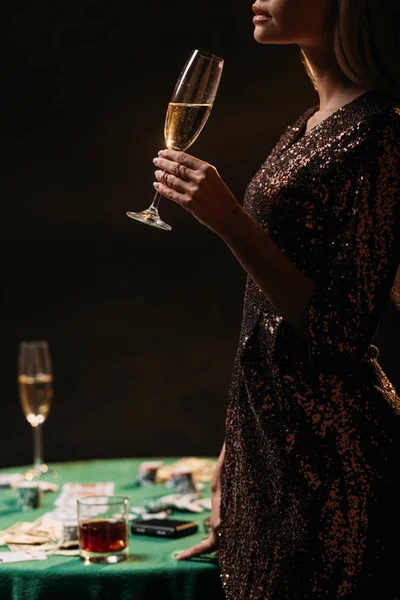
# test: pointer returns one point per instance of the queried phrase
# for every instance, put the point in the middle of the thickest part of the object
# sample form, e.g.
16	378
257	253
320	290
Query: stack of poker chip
181	480
70	534
147	472
155	505
29	495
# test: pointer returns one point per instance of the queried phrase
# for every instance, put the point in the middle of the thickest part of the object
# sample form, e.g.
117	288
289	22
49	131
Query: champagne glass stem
156	201
37	448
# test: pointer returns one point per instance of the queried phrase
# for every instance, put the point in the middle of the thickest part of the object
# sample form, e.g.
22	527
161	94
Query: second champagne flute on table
187	113
35	382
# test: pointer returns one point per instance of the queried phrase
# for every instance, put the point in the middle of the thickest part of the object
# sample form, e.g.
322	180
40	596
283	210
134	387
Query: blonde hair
367	48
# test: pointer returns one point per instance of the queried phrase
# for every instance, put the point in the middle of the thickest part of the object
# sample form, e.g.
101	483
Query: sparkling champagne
184	123
36	394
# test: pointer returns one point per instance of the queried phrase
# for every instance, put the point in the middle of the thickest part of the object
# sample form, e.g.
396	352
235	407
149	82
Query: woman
306	482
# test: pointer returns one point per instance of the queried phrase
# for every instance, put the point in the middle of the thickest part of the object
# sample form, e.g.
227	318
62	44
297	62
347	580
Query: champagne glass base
151	217
41	472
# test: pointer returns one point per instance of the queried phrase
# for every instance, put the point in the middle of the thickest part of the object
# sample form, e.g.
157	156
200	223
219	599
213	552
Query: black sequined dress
310	483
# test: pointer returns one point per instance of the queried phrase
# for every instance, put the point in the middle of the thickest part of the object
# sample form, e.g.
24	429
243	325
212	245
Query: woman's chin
262	36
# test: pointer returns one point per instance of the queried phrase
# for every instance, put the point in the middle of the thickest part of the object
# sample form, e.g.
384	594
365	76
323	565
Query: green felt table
150	572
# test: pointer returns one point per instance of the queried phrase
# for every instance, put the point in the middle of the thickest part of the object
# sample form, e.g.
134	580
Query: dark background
142	324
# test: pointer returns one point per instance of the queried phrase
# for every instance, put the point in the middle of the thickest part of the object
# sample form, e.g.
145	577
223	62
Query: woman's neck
333	87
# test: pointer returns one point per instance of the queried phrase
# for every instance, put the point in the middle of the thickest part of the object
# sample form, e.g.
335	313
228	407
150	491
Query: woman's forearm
221	457
216	476
281	282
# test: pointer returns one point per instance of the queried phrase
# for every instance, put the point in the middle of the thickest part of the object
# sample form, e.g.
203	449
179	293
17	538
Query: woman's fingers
170	181
181	158
175	168
208	545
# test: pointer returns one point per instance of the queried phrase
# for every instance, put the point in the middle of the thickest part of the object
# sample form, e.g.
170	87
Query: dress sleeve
346	305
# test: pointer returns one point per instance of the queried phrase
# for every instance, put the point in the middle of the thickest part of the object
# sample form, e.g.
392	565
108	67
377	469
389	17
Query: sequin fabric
310	500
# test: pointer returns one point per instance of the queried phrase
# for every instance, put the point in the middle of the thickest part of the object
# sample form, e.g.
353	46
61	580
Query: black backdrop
142	324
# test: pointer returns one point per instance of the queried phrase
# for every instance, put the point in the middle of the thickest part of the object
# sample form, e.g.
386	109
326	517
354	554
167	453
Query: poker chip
28	495
70	532
147	472
181	480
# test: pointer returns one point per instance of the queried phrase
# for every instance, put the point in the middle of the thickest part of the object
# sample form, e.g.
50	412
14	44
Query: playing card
10	557
65	507
7	480
70	492
30	549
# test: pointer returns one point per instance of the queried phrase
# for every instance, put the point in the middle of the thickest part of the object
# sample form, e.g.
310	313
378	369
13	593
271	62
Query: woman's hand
211	542
198	188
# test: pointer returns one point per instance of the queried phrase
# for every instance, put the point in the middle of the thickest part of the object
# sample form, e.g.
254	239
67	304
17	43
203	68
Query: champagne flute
35	382
187	113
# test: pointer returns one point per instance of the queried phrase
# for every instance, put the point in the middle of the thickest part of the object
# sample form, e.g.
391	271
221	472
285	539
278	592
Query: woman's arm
337	315
216	476
197	186
211	542
281	282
